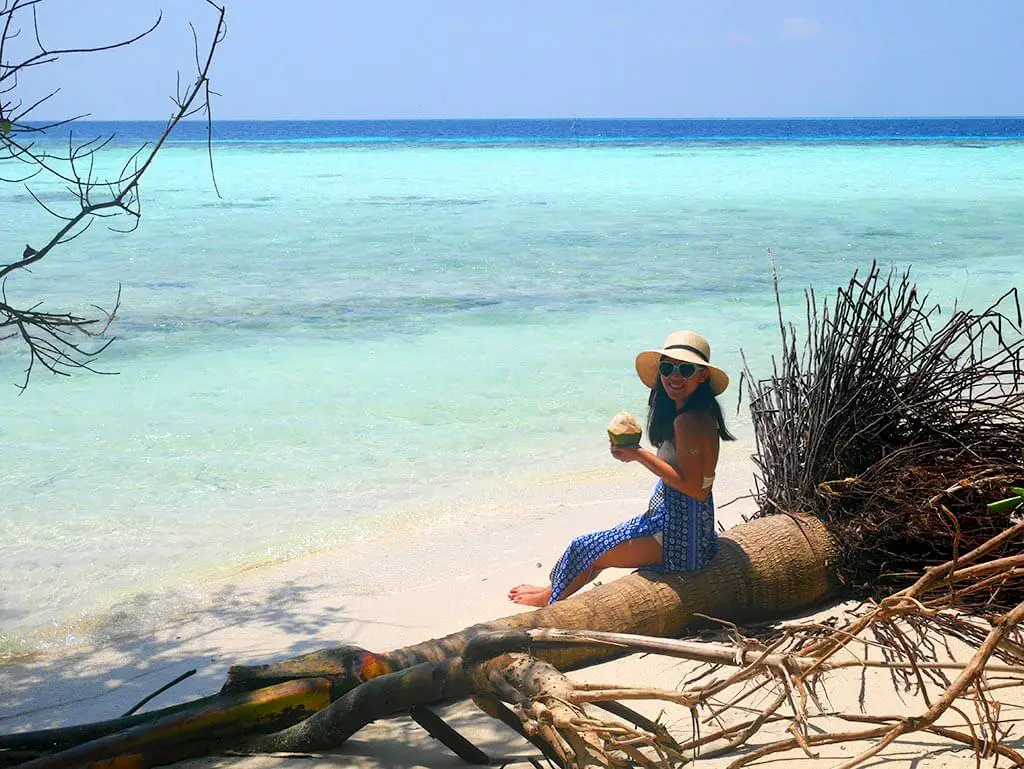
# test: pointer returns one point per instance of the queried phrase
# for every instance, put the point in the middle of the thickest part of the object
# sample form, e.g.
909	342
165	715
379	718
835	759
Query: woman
685	424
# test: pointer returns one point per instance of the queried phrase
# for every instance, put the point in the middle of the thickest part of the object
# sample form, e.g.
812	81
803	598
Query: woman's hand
624	453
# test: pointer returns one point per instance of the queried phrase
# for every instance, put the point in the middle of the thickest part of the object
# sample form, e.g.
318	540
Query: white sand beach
410	586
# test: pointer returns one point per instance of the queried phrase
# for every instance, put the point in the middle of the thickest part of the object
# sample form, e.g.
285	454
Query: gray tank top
667	451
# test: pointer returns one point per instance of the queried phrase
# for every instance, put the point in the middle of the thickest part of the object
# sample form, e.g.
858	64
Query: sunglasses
685	370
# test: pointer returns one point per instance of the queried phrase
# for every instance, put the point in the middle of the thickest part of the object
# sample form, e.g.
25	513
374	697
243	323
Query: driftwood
889	467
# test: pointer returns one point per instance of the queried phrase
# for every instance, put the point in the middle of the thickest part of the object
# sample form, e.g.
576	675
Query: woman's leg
630	554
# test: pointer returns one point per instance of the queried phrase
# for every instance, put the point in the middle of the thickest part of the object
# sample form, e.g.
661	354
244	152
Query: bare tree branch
62	342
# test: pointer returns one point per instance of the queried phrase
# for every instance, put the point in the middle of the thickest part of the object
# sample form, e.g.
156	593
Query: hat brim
647	367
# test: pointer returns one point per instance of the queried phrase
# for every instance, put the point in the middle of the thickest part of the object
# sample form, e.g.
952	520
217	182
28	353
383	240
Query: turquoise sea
378	323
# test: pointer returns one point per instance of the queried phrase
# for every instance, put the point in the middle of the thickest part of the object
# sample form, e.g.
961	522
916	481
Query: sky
336	59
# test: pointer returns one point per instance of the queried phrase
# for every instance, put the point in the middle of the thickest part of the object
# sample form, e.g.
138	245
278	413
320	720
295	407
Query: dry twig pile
896	429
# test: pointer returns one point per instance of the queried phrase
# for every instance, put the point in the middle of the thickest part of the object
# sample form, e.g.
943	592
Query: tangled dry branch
903	637
895	427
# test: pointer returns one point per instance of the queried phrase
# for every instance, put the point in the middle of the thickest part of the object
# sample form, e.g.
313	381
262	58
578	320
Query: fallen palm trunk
550	708
766	568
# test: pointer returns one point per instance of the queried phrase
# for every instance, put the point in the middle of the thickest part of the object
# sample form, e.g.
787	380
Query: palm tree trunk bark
767	568
764	569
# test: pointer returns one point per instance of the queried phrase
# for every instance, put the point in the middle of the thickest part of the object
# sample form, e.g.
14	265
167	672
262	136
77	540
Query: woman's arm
696	456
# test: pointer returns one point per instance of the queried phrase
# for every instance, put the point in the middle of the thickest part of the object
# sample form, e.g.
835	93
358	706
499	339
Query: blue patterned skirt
685	525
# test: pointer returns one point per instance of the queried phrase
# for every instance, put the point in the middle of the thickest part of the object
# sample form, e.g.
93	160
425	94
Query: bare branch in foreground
63	342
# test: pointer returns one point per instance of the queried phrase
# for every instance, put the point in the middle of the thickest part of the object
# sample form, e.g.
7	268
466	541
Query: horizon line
568	118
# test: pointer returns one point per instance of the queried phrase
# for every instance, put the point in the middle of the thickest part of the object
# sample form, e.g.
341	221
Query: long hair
661	412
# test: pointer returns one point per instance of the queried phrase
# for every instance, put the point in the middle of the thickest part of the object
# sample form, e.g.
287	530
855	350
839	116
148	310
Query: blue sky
550	58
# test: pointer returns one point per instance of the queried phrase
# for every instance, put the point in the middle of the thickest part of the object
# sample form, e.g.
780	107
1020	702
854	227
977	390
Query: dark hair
661	412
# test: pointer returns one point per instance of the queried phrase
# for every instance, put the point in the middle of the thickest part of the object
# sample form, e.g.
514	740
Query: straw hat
686	347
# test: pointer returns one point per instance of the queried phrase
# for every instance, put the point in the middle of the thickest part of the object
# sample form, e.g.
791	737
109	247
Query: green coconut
624	430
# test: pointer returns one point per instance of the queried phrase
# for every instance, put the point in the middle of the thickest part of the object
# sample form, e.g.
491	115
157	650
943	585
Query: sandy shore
411	585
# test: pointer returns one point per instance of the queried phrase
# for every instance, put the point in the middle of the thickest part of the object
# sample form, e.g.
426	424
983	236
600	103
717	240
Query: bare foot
523	589
535	596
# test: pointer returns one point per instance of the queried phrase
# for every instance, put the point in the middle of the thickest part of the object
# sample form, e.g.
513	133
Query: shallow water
357	334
